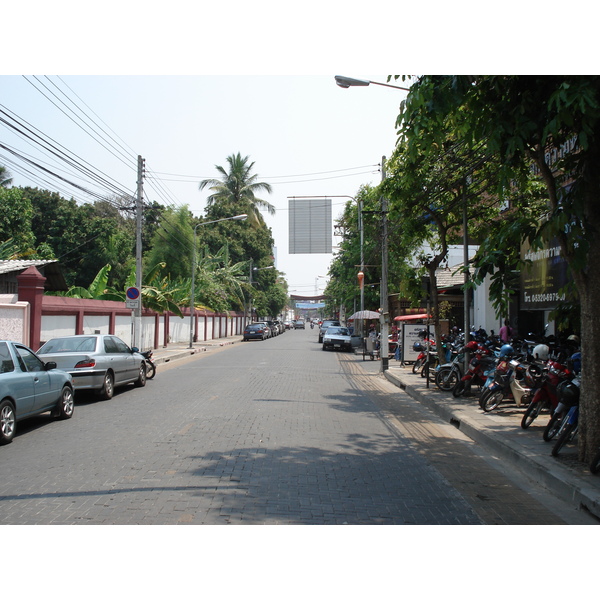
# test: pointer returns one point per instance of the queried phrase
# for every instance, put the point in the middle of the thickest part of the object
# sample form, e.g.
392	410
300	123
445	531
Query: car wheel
66	404
108	387
141	380
8	422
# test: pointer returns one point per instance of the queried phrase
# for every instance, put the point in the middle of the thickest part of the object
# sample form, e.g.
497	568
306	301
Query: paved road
273	432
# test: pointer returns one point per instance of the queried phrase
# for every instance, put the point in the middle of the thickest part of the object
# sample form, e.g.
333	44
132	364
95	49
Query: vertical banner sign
410	335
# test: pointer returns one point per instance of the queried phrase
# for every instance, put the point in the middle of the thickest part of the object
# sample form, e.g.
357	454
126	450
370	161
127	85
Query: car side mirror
50	365
135	349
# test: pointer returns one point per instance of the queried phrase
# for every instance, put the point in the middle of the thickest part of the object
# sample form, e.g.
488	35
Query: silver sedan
96	362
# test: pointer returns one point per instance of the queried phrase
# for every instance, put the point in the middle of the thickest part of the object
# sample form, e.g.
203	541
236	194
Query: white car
337	338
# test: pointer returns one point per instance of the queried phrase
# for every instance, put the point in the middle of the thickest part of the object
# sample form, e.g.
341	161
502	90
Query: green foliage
173	244
15	220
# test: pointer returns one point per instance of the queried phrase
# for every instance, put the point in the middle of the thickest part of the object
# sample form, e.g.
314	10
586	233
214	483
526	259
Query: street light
236	218
346	82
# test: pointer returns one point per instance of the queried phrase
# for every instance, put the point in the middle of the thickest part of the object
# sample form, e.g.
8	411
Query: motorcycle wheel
459	388
531	414
595	464
563	438
417	365
150	369
446	379
553	427
491	400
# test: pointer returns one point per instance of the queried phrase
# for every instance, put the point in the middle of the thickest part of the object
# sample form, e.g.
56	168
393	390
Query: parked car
299	324
288	324
29	387
96	362
255	331
280	326
273	326
267	328
324	326
337	338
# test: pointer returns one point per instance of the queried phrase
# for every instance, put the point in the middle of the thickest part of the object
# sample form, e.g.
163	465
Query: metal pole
192	306
137	312
466	273
250	299
385	315
362	268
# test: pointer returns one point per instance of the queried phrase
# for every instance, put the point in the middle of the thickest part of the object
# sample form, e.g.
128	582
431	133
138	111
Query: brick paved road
273	432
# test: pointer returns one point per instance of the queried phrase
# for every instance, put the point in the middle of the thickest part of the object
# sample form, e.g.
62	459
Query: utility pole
137	312
385	313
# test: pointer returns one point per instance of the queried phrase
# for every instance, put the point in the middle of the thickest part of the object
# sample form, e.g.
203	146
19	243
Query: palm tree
5	178
238	187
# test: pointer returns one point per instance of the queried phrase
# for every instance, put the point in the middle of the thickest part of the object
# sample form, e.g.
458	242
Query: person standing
506	332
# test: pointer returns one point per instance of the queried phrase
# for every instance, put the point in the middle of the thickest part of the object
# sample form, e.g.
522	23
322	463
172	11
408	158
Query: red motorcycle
478	366
421	348
545	381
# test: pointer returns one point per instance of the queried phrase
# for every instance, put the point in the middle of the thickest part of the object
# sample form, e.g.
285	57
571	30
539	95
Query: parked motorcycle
421	347
568	393
449	374
477	371
546	375
150	366
508	382
559	374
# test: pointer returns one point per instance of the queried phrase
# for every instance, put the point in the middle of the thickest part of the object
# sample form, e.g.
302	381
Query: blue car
29	387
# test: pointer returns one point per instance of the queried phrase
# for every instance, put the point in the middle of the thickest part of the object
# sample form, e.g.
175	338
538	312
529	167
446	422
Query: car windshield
69	344
254	327
337	331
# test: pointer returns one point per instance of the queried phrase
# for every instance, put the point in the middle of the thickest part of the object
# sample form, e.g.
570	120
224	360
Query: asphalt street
272	432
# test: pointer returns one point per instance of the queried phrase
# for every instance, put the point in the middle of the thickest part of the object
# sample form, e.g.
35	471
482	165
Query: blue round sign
132	293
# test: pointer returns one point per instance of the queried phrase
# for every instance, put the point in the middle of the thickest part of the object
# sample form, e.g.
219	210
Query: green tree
15	220
173	244
552	123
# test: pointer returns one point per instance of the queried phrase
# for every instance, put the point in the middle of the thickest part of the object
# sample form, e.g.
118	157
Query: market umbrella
364	314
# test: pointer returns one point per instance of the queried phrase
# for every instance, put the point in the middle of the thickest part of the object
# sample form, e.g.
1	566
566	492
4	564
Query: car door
126	358
15	382
44	395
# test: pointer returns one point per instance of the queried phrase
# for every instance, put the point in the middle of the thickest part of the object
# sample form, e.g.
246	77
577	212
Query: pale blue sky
306	135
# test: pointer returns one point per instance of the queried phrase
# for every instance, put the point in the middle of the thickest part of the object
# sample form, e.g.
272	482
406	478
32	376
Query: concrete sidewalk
500	431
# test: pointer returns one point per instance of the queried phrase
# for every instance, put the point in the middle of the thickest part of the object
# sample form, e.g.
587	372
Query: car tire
108	387
141	380
8	422
66	404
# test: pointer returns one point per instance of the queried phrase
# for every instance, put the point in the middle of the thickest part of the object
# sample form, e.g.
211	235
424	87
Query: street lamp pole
192	313
385	313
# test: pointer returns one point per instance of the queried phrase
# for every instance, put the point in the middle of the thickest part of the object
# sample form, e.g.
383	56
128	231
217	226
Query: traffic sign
133	297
